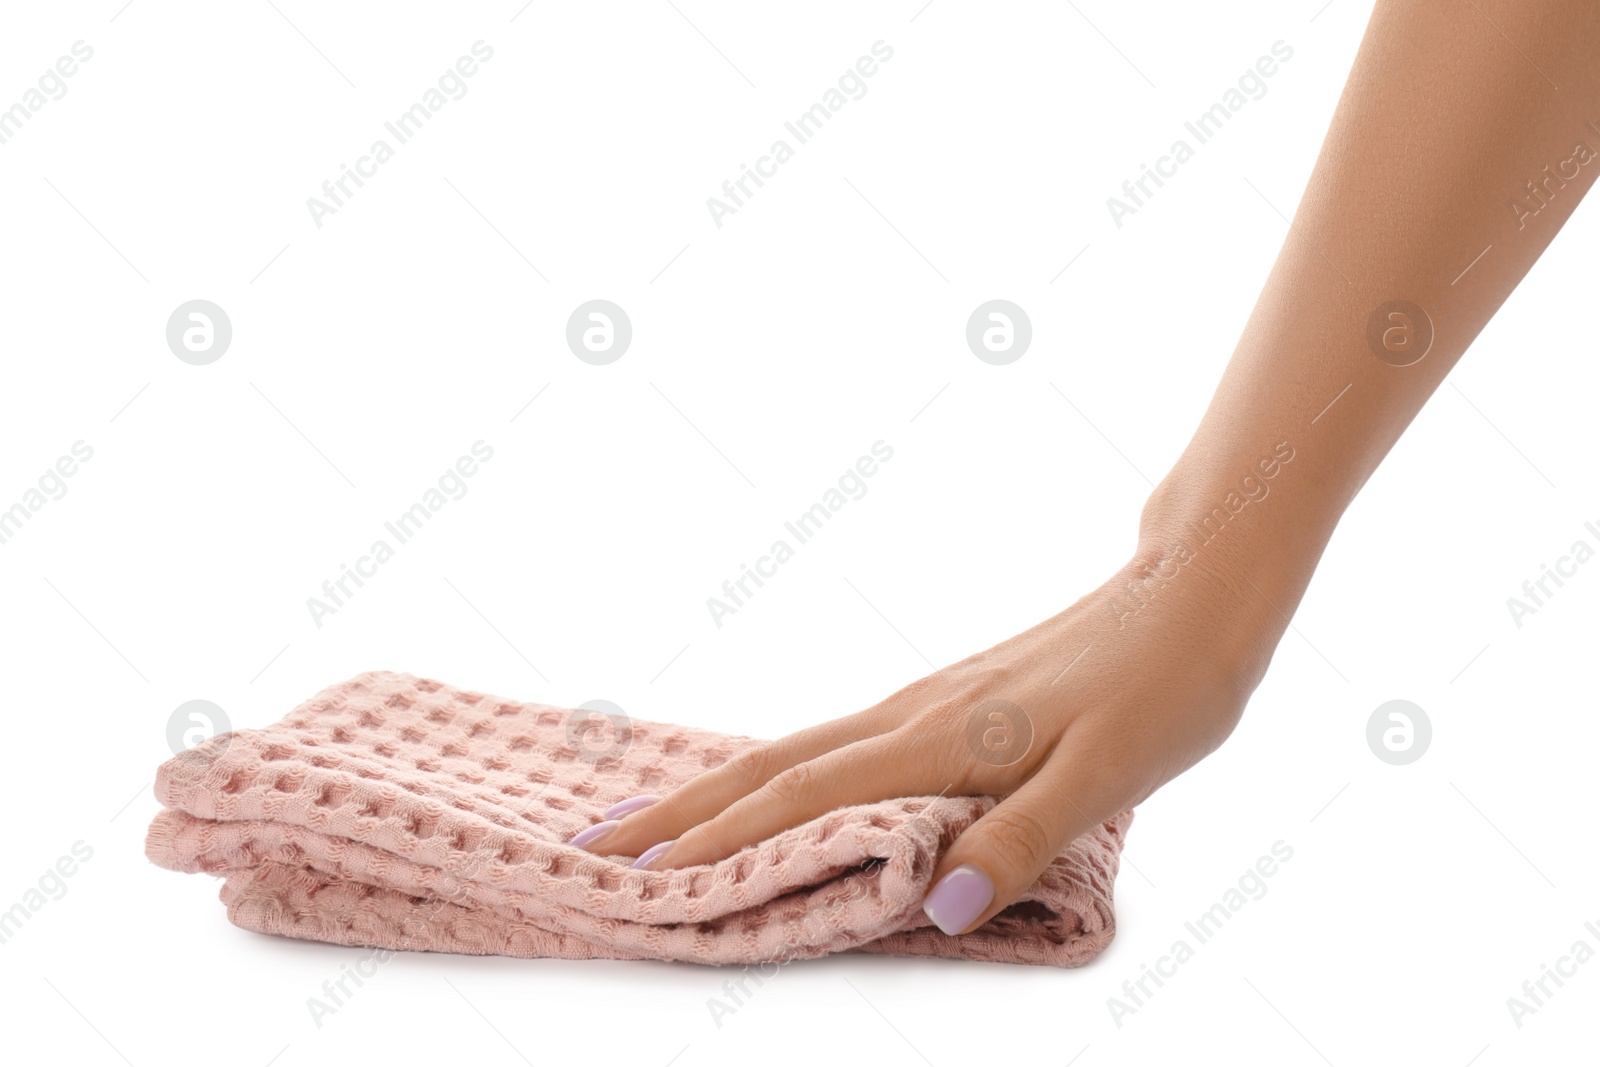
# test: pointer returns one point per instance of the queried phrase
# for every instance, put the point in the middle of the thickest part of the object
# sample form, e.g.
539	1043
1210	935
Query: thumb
998	857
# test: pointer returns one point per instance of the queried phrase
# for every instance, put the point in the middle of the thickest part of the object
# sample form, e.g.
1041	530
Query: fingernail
629	806
958	899
651	854
594	833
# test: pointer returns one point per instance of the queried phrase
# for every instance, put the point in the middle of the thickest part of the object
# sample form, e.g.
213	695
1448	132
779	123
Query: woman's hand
1072	722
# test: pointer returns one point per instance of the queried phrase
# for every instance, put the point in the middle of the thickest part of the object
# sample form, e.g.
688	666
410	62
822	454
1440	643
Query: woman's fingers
861	773
642	824
861	759
1002	854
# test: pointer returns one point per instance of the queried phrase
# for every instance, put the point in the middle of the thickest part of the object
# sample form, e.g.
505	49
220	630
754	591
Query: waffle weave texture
396	812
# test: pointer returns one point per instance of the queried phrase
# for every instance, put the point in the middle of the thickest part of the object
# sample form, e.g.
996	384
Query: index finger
642	823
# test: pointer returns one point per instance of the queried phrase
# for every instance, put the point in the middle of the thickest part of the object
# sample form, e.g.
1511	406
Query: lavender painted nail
651	854
959	898
629	806
594	833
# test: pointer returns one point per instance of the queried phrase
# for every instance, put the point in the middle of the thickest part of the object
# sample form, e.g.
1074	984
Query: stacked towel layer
396	812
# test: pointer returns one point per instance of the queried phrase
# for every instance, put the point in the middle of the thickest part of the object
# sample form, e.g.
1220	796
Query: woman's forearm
1466	135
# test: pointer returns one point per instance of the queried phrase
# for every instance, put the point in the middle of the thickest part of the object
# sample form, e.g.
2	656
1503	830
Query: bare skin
1452	109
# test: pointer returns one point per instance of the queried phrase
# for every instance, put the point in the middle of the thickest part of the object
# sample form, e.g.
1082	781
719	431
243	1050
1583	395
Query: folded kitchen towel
396	812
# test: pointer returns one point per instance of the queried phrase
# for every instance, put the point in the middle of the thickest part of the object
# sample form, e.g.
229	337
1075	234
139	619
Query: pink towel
396	812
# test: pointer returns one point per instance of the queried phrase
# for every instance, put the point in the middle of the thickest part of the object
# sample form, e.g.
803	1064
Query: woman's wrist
1232	547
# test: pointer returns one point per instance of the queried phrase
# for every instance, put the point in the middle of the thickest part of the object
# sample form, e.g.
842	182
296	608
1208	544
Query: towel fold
396	812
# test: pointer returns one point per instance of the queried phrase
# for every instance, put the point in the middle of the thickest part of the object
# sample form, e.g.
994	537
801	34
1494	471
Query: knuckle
795	786
1020	837
754	766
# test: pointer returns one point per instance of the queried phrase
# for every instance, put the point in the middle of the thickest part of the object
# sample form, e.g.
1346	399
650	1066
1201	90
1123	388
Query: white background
827	314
